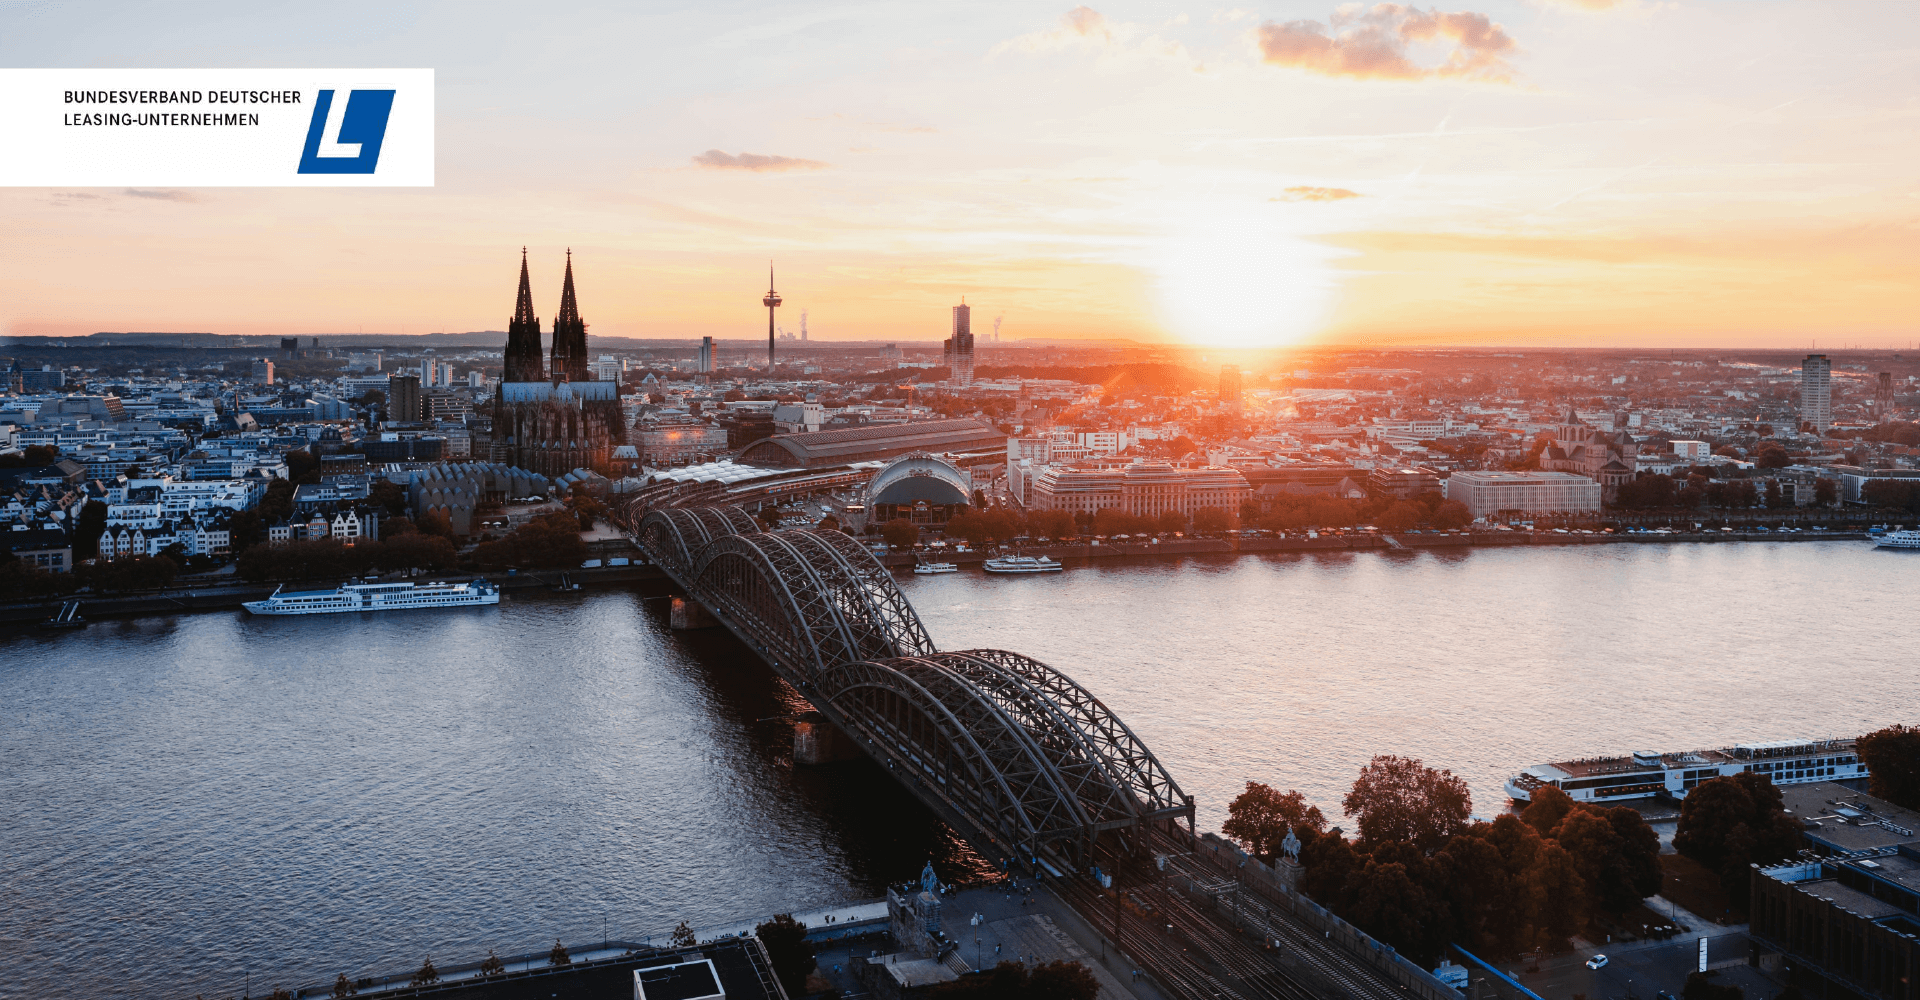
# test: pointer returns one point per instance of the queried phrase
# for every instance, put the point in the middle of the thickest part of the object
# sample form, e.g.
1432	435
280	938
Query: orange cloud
717	160
1302	193
1371	44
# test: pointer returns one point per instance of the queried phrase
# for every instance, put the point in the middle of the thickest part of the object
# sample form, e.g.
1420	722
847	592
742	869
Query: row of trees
1297	512
1422	874
1694	490
20	580
329	558
552	542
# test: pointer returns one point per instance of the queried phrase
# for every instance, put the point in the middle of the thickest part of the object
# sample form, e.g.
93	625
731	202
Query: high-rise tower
1230	395
523	334
1816	392
772	302
570	335
958	349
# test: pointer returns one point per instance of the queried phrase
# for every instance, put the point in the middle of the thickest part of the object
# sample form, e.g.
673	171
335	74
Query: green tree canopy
1892	756
787	948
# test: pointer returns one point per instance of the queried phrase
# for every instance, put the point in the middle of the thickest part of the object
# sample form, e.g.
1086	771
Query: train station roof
874	442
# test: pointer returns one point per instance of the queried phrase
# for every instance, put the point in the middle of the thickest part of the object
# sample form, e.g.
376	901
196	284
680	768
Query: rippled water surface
184	800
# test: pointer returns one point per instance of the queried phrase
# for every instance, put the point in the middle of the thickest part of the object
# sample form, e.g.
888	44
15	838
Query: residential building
263	371
705	361
664	443
1404	483
46	549
1138	487
607	368
404	403
1490	493
1816	392
1230	395
1692	450
957	350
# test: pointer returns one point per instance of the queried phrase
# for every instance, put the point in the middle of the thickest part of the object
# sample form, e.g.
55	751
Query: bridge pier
688	614
817	741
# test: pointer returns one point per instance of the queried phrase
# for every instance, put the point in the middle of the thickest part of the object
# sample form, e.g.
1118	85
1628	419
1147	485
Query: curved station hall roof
918	476
870	443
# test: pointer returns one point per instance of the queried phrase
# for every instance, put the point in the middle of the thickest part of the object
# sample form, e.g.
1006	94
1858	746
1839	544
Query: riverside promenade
1357	541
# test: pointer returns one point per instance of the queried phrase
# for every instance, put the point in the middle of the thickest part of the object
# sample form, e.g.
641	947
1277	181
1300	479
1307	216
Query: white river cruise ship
1644	775
378	597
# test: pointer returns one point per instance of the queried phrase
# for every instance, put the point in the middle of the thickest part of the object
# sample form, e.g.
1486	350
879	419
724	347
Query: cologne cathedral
553	418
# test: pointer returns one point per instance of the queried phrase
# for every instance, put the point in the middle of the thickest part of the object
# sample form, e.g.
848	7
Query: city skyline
1553	174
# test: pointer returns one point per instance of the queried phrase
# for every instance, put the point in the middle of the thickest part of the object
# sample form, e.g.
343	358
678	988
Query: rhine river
187	800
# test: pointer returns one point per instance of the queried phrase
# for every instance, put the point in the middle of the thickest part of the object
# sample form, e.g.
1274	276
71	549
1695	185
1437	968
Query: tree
300	463
1402	516
1547	807
342	988
1699	987
900	533
1062	981
786	942
1451	514
1555	894
1825	492
33	456
1729	823
1892	756
492	966
427	975
1260	817
558	956
682	935
390	495
87	529
1771	455
1211	520
1388	903
1401	799
1012	981
1599	855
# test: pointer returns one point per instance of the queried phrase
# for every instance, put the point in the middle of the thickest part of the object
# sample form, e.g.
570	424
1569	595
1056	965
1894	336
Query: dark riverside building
1845	926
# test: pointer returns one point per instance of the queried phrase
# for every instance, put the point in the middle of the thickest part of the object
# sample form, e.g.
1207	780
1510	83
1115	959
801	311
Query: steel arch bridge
1024	761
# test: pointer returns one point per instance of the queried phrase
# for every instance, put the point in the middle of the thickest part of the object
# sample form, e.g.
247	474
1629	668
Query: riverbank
1369	541
223	596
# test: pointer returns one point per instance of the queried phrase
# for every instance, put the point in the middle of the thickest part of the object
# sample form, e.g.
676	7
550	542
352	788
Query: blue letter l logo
346	140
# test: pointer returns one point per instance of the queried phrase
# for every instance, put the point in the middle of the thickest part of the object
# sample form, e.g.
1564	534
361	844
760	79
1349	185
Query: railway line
1236	948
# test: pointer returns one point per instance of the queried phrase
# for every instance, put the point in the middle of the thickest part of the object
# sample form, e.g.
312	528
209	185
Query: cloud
1371	44
1303	193
718	160
1587	4
1086	29
1087	23
159	195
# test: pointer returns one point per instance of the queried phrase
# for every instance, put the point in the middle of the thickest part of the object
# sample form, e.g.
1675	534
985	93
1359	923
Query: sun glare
1240	284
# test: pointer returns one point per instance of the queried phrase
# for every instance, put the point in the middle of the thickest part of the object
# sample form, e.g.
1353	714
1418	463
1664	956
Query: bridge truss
1024	761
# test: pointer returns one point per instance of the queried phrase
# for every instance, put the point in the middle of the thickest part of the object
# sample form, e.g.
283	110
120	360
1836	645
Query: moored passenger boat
378	597
1643	774
1021	564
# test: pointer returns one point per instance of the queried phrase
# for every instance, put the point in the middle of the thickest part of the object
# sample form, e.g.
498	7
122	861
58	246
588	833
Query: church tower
569	335
523	334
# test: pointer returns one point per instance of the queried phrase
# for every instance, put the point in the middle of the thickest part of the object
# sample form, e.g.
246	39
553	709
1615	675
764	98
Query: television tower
772	302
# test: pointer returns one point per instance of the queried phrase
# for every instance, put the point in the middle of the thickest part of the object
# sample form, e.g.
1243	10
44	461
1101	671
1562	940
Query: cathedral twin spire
569	355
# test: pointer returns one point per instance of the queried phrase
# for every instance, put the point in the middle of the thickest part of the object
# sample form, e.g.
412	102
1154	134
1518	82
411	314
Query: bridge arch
674	536
812	596
1042	760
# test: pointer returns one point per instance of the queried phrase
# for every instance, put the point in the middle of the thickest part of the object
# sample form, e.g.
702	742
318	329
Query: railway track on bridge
1023	761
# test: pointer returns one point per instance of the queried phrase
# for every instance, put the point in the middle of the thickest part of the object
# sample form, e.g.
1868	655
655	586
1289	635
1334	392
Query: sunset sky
1554	173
